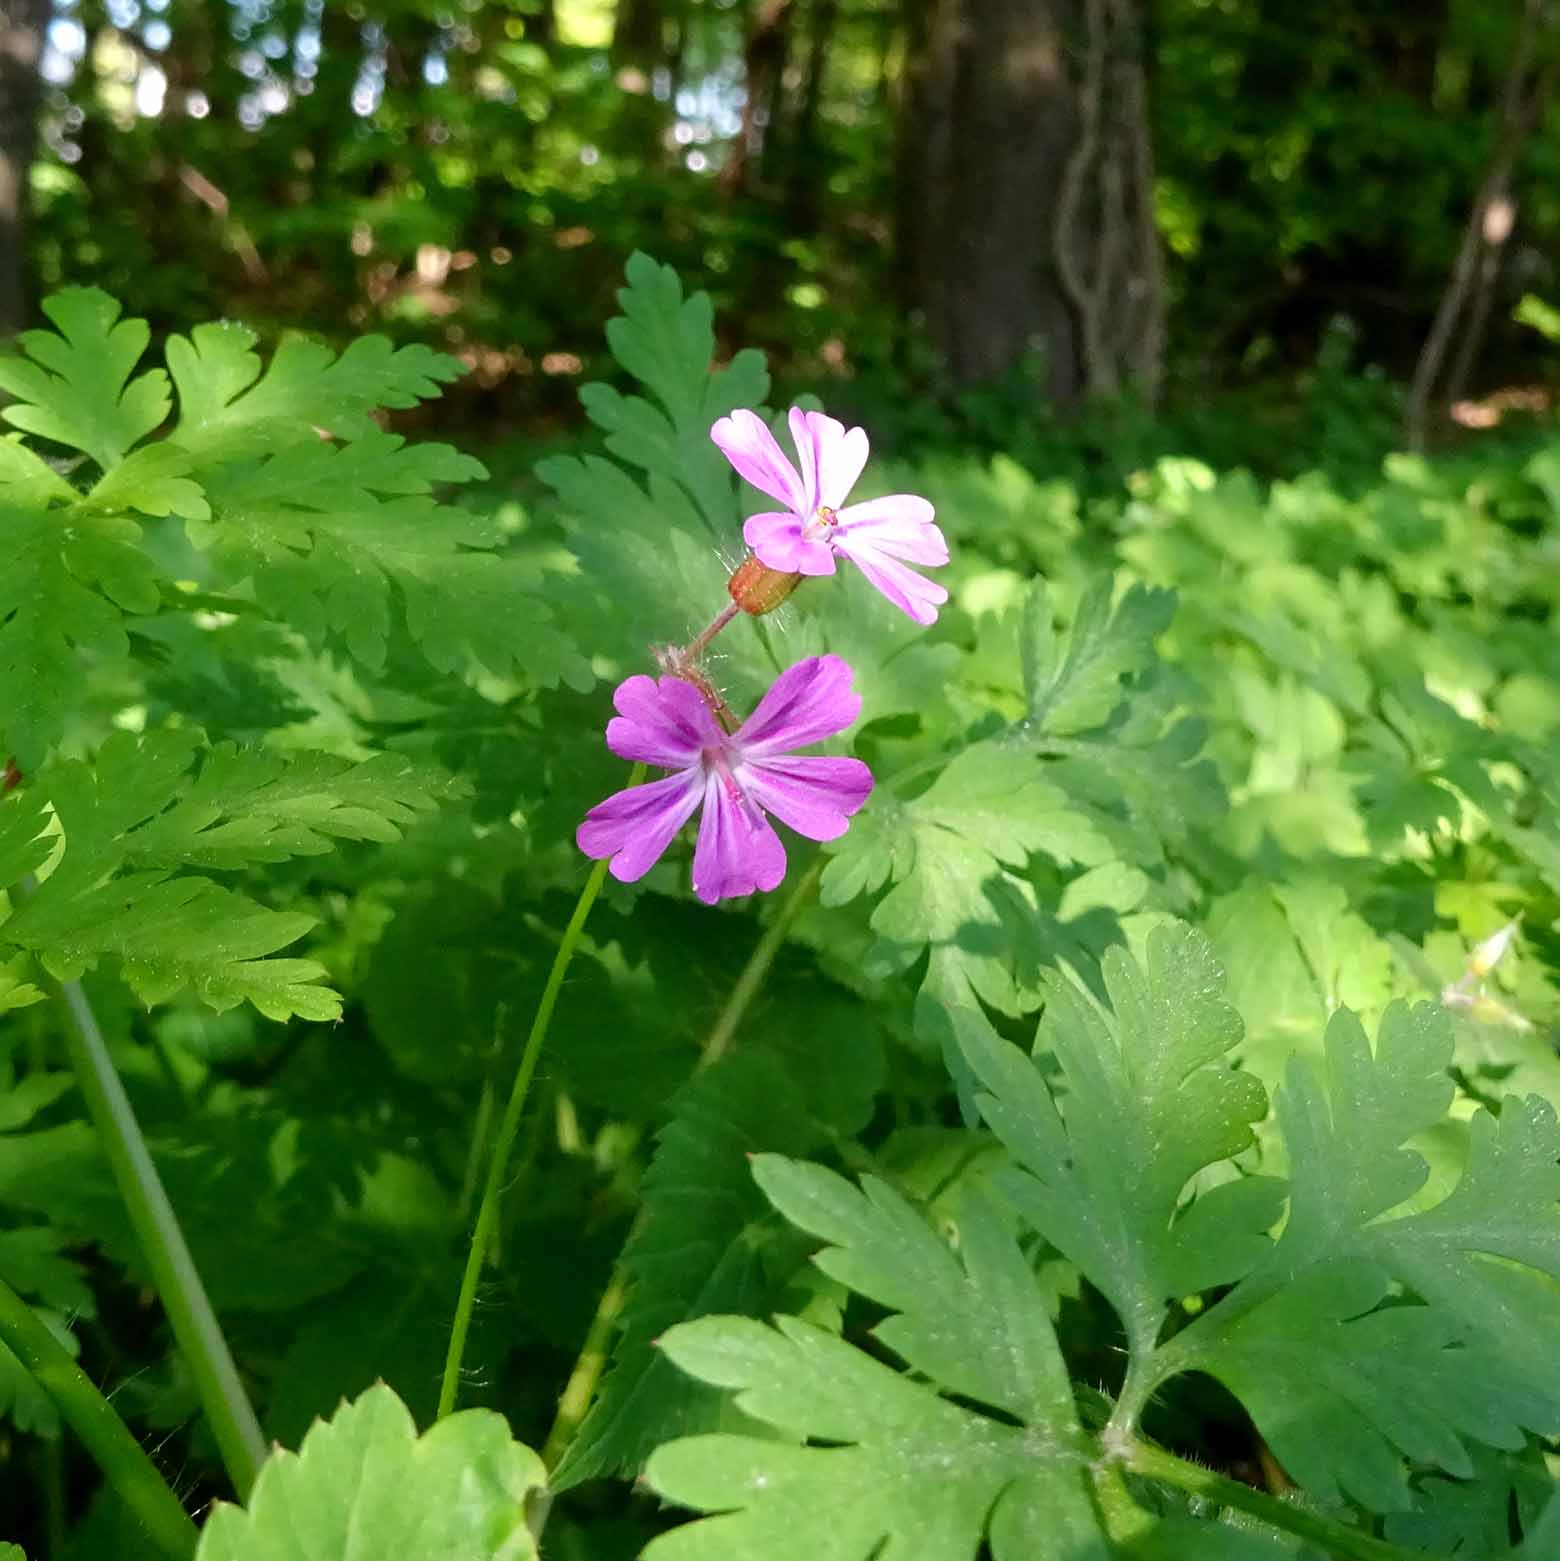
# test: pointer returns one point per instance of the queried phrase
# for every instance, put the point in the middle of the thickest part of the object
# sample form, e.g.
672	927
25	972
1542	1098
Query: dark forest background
962	218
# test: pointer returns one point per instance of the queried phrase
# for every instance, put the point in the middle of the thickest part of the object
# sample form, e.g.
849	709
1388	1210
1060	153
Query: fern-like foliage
122	848
290	496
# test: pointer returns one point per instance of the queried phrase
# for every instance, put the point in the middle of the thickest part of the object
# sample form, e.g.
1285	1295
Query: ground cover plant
1112	1116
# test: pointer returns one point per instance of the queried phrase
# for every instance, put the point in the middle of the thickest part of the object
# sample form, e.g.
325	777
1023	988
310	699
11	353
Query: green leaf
952	856
1145	1102
904	1470
1472	1518
154	480
136	818
1108	715
77	388
27	480
330	536
65	589
1378	1330
1074	685
705	1244
227	408
667	343
365	1485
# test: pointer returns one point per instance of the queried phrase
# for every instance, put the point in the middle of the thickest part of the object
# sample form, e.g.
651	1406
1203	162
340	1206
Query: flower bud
757	589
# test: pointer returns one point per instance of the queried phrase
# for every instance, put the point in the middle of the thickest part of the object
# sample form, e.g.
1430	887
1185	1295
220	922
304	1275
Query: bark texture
1026	175
22	25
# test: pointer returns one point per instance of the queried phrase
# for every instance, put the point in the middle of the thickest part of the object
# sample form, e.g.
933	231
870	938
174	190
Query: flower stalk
106	1437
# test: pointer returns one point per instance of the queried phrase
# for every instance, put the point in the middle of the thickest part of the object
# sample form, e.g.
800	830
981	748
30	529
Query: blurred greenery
475	176
1232	659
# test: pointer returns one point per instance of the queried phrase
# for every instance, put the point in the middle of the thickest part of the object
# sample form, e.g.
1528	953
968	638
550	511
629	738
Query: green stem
503	1145
756	971
580	1389
162	1245
131	1473
1346	1543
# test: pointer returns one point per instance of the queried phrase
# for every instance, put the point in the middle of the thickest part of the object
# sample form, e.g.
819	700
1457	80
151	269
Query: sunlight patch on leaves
1146	1101
364	1485
75	387
904	1467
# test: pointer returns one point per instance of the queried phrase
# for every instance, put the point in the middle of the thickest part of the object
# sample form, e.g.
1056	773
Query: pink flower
737	777
875	536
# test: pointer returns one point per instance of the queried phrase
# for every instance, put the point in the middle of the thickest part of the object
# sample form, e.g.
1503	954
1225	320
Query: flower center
823	518
719	760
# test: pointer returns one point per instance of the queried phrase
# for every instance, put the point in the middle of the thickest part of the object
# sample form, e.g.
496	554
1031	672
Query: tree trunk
1026	190
638	52
765	55
805	178
22	24
1463	315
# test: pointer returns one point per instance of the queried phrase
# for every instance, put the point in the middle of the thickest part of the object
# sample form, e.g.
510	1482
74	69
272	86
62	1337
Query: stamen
719	760
821	520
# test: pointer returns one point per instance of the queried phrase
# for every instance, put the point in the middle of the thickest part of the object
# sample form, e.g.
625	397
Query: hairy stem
509	1127
1337	1539
697	647
131	1473
162	1245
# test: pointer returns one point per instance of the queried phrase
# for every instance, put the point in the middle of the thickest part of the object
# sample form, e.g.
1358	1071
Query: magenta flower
875	535
738	777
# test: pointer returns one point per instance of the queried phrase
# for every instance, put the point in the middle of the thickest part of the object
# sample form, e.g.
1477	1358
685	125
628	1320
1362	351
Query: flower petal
832	457
781	544
738	850
913	594
900	525
661	721
815	796
635	826
805	704
750	447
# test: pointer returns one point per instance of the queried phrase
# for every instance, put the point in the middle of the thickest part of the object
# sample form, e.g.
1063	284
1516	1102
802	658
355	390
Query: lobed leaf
1144	1101
75	388
364	1485
887	1463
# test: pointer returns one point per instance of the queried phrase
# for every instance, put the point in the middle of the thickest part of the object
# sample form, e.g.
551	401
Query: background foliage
1134	1078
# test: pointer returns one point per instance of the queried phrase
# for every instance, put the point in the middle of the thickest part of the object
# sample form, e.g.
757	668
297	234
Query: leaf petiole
132	1474
1337	1539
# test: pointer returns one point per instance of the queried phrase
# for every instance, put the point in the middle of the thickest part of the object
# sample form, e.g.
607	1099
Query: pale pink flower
816	525
737	777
